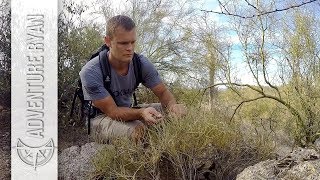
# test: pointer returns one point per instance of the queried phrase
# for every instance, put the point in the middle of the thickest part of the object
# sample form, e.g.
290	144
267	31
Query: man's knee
138	132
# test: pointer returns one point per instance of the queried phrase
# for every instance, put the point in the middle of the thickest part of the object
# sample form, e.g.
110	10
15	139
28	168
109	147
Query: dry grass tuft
201	145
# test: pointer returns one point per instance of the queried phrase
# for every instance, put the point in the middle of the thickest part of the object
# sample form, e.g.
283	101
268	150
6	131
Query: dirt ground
5	144
71	136
67	136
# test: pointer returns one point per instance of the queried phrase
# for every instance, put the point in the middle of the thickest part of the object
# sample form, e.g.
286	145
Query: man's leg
104	128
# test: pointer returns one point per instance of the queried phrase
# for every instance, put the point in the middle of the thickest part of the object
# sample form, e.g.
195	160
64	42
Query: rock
308	170
299	164
317	143
76	162
262	170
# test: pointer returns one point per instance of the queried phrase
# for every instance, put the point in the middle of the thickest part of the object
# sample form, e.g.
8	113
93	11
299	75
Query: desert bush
200	145
303	130
77	40
187	96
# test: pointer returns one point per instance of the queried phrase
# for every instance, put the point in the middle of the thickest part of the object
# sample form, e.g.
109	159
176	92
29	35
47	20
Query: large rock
262	170
76	162
300	164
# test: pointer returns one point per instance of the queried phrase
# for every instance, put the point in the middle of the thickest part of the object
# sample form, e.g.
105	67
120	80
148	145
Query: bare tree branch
263	95
259	14
224	7
263	57
252	5
244	101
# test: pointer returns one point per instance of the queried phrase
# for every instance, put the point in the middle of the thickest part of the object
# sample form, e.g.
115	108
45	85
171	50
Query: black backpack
87	111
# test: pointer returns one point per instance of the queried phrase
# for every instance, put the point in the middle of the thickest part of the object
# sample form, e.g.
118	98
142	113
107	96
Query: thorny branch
260	13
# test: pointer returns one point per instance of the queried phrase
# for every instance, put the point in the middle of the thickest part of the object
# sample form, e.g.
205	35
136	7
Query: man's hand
177	110
151	116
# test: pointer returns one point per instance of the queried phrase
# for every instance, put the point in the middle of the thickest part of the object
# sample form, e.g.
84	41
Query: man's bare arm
165	96
109	107
168	101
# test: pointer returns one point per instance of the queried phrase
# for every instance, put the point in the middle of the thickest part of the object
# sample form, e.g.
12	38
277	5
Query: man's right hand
150	115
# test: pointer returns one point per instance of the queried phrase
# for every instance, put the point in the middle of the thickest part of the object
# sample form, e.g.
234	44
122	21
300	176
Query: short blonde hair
120	20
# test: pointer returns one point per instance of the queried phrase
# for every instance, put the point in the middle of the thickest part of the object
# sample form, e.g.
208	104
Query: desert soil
67	136
5	144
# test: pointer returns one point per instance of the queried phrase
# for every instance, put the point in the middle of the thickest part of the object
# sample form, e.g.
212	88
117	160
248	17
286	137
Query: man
118	118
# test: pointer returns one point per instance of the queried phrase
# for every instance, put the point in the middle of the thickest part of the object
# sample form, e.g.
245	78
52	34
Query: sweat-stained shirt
121	86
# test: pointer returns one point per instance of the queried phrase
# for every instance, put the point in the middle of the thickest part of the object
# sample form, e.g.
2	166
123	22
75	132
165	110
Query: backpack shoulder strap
102	48
137	69
105	67
106	71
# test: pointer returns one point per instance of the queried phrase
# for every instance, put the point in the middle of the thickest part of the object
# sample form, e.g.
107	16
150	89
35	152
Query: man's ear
107	41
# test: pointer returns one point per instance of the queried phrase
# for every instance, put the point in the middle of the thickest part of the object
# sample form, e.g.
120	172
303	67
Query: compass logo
35	156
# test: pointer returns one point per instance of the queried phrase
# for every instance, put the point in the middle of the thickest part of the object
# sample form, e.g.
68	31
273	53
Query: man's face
122	44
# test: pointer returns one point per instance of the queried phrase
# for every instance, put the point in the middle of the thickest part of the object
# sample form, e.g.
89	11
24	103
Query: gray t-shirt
121	86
